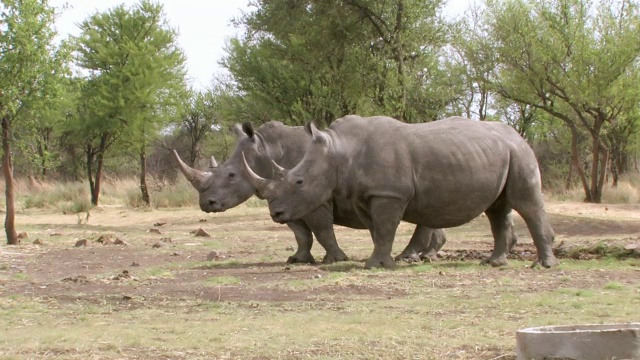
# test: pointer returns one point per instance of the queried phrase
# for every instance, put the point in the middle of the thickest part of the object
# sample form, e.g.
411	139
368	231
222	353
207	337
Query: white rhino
226	186
438	175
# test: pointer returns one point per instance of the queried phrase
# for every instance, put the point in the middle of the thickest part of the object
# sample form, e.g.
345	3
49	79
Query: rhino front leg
385	217
420	240
304	238
438	239
321	224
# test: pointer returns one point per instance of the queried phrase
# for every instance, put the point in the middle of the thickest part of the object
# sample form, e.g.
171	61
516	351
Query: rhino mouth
280	217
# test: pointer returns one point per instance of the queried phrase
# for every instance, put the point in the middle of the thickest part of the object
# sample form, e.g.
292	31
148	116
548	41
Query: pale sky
203	27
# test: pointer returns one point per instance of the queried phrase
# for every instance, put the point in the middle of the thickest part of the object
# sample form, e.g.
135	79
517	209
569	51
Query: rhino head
301	190
227	185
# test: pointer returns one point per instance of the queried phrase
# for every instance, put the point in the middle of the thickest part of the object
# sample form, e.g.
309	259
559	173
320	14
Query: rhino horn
261	184
278	170
195	177
214	163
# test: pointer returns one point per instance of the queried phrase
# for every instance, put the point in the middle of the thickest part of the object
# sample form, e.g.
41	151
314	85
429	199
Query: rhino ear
237	129
247	128
317	135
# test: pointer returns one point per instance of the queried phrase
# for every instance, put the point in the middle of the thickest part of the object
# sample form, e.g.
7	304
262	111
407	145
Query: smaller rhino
226	186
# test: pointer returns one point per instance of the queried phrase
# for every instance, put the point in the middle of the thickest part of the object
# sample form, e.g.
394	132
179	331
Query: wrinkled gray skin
227	186
439	174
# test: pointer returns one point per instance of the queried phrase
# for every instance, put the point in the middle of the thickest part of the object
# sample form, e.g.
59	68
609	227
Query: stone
158	245
135	264
82	242
155	231
38	242
119	241
202	233
23	235
105	240
213	256
159	224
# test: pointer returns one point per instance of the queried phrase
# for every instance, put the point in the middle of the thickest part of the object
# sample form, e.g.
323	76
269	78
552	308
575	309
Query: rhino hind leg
420	240
304	238
502	229
542	235
437	241
385	215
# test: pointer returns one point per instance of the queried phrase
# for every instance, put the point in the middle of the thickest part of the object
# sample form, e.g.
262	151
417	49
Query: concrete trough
584	342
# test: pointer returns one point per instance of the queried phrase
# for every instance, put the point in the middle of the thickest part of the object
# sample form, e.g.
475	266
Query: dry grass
180	306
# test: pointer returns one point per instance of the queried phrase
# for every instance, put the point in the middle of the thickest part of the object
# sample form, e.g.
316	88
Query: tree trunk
9	222
575	160
95	191
143	177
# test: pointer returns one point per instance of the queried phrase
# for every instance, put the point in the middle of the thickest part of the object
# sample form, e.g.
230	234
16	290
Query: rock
158	245
213	256
632	246
55	234
126	298
203	220
202	233
123	275
119	241
80	279
166	240
155	231
135	264
105	240
23	235
38	242
82	242
159	224
175	254
289	248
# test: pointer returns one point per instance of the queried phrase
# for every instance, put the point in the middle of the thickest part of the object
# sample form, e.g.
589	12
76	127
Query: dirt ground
160	261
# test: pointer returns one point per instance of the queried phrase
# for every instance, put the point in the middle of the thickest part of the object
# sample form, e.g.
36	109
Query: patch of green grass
20	276
222	280
157	272
614	286
342	266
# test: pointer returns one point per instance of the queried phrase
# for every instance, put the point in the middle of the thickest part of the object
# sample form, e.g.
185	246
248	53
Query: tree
321	60
133	63
576	61
30	65
198	120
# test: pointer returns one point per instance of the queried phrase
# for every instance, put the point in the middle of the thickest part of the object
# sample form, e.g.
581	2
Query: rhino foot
495	261
377	262
548	262
408	258
332	258
429	256
301	259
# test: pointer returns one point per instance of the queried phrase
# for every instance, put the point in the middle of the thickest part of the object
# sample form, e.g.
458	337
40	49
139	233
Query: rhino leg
502	228
420	240
321	224
542	235
513	237
304	240
385	217
438	239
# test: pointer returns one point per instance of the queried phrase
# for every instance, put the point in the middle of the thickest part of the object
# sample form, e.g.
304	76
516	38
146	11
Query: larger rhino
227	186
439	174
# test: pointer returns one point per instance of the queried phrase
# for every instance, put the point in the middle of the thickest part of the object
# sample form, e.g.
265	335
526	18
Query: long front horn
261	184
195	177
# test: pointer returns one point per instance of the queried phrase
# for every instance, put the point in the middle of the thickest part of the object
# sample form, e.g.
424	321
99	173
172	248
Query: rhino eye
232	175
299	182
